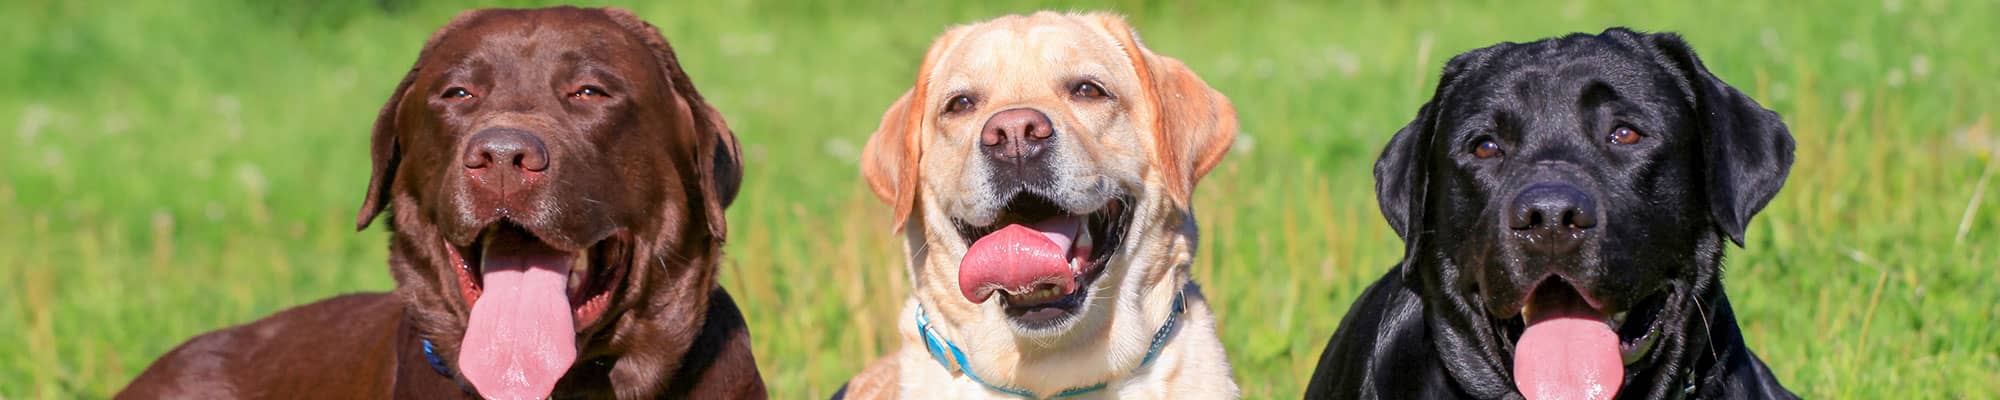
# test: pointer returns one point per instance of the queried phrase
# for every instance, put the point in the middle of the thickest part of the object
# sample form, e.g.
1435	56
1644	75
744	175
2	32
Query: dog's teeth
1083	239
1636	350
485	246
579	268
1034	296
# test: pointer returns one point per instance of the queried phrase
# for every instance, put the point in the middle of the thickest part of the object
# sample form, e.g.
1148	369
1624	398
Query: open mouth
528	301
1565	348
1040	259
587	276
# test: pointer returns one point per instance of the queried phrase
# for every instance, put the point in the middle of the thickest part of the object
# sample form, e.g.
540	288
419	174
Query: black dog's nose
1016	134
1553	207
507	147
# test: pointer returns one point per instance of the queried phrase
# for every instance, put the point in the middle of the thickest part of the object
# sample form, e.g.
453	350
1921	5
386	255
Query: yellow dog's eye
1625	135
1089	90
957	104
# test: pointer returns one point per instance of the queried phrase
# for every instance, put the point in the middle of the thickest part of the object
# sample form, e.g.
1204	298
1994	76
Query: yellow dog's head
1049	161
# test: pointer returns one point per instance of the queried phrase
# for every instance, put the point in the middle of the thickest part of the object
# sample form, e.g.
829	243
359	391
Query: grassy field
175	167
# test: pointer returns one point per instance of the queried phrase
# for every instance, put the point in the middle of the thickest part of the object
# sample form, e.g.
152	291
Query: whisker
1698	309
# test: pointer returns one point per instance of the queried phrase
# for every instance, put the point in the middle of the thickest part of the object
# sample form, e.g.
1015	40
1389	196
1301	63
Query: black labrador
1564	205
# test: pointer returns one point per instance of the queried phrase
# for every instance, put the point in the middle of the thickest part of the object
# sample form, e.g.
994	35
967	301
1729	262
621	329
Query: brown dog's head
557	188
1039	154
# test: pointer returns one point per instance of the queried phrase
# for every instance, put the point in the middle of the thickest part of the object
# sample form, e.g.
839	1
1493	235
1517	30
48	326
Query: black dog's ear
1747	150
718	161
1401	173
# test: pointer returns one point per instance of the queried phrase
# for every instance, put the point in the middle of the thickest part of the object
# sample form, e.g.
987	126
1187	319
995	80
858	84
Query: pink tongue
1018	258
521	338
1567	352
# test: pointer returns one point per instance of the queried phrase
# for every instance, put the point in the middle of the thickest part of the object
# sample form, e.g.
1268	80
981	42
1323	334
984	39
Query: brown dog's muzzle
507	147
505	162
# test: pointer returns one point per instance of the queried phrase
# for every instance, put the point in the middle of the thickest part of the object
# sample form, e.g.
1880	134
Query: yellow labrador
1040	171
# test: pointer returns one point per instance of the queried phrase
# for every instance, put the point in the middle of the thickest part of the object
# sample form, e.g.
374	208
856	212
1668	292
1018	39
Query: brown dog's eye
588	92
1625	135
1089	90
456	93
957	104
1486	149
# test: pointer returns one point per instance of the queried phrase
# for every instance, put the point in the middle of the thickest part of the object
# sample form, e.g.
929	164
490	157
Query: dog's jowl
1564	206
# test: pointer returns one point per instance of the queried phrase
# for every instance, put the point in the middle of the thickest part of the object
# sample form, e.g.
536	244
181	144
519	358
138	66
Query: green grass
176	168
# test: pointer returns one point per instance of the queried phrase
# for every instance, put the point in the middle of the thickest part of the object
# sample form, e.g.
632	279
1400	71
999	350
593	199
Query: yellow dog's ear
889	160
1193	125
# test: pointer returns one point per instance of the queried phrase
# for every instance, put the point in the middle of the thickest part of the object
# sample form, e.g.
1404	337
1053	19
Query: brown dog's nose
1554	217
1016	134
507	147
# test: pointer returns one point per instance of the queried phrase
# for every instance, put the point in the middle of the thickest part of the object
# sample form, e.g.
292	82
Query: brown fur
653	169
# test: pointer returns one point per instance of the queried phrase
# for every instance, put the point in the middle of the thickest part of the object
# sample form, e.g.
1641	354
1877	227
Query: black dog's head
1589	177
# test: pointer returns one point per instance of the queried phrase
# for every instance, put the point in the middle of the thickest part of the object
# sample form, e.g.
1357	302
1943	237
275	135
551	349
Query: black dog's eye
587	92
957	104
1485	149
456	93
1089	90
1625	135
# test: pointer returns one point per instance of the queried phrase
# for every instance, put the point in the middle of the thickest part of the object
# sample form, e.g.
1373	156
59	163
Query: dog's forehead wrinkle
1029	51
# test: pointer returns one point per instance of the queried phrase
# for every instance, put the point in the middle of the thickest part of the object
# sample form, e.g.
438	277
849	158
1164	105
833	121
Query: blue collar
430	353
940	347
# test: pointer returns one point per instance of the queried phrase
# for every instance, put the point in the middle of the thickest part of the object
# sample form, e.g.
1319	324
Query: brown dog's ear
889	160
386	152
718	160
718	166
385	146
1193	124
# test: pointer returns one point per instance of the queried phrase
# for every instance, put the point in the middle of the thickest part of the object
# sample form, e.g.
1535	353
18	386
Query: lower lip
1049	313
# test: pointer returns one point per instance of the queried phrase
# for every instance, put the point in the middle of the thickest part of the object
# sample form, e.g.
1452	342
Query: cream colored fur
1162	131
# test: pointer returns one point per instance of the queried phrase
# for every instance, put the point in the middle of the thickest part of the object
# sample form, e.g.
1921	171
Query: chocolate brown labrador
555	189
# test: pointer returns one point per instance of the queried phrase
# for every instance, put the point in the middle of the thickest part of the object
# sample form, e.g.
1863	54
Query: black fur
1442	324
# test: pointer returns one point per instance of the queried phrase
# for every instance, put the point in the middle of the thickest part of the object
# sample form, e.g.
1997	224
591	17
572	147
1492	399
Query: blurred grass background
176	167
